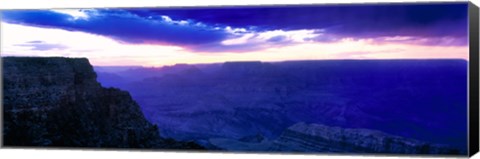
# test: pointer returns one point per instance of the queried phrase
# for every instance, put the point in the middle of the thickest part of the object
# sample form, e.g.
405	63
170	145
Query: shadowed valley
225	105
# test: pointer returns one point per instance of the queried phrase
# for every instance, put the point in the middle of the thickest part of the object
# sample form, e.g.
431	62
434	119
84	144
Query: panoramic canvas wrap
356	78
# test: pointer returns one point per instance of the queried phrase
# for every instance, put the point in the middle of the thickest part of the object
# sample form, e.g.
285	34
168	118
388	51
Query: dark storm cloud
120	25
204	29
354	20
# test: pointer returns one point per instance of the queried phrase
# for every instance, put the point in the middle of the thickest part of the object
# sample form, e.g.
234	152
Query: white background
82	154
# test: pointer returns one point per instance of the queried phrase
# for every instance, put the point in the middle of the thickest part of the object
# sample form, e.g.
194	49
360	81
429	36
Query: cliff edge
58	102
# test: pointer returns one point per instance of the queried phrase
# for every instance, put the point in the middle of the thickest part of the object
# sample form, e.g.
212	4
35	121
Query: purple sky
163	36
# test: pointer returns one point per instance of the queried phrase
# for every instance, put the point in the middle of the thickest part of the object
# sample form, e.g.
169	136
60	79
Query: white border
81	154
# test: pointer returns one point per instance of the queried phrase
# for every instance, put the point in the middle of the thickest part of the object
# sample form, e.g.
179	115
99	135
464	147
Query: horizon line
239	61
262	61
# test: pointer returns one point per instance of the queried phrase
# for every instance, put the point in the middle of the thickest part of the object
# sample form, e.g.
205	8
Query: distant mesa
242	64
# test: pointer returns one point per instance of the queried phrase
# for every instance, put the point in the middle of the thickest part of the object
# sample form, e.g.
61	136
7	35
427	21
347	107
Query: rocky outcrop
303	137
58	102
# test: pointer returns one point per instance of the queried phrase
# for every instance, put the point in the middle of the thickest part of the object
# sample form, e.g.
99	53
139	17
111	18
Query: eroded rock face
303	137
58	102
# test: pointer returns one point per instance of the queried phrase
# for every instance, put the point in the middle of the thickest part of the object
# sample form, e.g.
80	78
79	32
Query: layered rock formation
316	138
58	102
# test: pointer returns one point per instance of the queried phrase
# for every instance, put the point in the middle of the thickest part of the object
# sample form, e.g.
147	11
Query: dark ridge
57	102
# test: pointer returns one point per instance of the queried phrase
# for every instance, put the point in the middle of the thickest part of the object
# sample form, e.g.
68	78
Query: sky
166	36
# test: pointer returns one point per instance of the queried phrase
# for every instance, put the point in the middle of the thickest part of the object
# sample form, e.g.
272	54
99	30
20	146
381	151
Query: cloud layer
243	29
